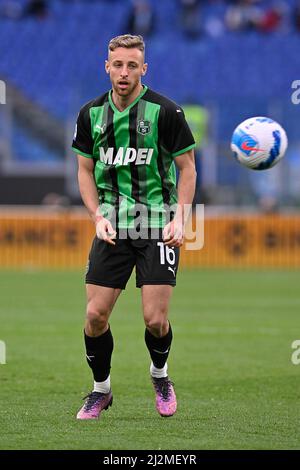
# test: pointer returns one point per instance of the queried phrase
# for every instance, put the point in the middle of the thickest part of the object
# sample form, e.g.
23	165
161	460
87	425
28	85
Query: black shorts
112	265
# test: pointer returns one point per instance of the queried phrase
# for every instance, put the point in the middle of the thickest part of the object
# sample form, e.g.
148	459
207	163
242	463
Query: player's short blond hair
128	41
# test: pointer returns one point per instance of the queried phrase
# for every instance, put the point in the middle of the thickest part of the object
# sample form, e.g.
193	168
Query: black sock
159	347
98	354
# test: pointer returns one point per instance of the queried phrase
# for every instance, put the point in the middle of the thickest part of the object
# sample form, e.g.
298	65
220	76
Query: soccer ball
259	143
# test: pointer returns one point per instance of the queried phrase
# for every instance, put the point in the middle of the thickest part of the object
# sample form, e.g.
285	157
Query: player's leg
97	334
99	347
156	269
108	271
158	332
158	338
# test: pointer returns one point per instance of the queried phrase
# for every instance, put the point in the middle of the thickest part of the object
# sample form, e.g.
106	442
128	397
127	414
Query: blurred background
222	61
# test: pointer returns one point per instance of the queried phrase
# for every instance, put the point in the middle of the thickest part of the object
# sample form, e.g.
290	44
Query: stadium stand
56	63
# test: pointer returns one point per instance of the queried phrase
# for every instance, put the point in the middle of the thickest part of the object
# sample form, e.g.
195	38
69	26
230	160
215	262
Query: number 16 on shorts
166	254
168	262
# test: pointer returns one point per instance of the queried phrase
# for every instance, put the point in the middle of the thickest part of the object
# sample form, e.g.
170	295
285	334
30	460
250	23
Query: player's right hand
105	231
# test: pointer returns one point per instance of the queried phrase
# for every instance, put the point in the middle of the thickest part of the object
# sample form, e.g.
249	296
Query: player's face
125	68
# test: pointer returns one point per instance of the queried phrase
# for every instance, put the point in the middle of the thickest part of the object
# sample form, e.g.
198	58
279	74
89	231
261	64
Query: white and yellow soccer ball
259	143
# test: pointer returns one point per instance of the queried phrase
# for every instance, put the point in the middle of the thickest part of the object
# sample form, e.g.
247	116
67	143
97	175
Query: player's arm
174	231
89	195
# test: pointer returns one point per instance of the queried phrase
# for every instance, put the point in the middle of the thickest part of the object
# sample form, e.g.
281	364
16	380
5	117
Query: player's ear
107	66
144	69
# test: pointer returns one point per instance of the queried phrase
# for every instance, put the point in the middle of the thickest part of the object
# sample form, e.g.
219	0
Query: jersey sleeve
177	137
82	141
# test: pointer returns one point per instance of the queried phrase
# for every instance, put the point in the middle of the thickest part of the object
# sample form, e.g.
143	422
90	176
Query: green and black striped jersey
134	152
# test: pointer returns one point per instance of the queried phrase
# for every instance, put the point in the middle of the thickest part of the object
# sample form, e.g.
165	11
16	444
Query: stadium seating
58	62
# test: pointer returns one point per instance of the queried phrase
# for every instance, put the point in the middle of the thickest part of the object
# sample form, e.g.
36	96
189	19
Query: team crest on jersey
144	127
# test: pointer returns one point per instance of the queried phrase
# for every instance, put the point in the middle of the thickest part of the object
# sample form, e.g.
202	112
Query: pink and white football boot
166	403
94	404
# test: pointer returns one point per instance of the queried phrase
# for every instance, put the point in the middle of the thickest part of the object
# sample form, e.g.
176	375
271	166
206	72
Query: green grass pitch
230	360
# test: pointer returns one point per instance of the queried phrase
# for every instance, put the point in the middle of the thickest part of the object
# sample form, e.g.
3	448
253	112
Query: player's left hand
173	233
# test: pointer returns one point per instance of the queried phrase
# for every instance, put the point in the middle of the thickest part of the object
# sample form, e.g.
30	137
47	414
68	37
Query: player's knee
97	319
157	326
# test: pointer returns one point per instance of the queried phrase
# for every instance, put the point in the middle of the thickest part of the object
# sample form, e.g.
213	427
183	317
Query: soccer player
127	141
